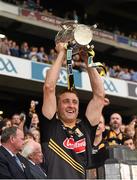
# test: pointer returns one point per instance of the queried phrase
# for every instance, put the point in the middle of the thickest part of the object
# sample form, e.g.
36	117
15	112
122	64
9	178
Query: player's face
68	105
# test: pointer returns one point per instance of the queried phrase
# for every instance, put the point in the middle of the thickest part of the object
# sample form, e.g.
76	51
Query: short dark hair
7	133
66	91
126	138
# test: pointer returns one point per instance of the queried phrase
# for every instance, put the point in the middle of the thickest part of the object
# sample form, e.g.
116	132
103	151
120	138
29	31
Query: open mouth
70	111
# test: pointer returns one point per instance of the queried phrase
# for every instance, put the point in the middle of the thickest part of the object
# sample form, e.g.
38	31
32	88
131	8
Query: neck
97	140
117	131
69	124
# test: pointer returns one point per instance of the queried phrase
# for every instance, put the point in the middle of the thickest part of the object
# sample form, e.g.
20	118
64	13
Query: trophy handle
69	23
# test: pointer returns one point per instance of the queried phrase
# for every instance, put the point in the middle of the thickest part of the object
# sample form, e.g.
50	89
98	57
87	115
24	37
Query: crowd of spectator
28	123
36	5
116	133
123	73
112	134
30	4
39	54
25	143
24	51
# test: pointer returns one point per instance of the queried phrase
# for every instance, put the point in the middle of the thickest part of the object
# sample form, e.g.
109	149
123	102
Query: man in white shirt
32	151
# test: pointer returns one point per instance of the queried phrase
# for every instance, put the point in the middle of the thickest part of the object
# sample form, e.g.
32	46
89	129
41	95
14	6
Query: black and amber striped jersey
67	151
113	138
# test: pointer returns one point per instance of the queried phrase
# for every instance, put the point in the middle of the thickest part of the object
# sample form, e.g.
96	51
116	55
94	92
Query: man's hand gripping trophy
77	39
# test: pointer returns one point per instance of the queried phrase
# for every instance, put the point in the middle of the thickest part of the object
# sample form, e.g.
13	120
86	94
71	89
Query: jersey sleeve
46	128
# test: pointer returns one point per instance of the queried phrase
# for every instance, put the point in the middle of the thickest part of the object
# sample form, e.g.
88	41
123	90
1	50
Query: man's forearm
53	73
96	82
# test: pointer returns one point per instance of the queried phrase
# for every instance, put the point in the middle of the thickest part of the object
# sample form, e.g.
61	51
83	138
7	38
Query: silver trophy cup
76	35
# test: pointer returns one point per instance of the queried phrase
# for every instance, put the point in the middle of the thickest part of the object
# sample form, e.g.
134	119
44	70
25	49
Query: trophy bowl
76	35
83	35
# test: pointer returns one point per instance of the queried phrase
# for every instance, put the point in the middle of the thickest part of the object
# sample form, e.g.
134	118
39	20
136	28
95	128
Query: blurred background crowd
112	131
40	54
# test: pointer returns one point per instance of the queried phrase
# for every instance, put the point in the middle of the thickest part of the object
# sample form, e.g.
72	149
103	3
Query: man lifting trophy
77	37
68	139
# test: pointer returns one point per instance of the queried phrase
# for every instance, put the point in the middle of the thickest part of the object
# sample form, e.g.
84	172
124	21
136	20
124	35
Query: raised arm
49	89
96	104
